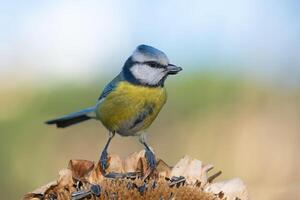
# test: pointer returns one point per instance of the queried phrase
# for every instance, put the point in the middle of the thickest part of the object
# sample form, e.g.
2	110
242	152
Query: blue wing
111	86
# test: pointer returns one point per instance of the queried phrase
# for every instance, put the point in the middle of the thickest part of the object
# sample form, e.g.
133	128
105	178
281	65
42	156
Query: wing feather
111	86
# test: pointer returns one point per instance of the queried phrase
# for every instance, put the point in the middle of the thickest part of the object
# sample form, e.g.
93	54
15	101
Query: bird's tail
73	118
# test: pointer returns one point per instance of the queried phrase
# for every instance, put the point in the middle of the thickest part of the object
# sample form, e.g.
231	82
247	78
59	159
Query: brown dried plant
131	178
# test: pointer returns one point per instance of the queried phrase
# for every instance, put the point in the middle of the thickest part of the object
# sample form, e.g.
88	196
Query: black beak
173	69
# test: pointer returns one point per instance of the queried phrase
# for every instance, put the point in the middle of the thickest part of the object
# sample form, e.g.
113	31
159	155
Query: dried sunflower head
131	178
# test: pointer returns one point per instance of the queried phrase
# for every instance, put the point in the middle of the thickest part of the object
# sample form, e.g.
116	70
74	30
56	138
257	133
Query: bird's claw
103	160
150	157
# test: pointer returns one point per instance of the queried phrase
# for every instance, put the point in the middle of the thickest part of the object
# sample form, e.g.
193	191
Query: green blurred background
236	105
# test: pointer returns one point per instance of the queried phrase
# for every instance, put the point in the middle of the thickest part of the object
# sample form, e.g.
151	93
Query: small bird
131	101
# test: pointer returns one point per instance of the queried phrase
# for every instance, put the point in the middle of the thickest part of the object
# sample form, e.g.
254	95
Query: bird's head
148	66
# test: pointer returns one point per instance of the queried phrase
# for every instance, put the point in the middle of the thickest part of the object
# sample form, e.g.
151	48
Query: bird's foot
150	157
104	160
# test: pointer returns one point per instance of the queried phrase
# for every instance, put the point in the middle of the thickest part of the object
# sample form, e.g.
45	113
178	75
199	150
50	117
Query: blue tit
131	101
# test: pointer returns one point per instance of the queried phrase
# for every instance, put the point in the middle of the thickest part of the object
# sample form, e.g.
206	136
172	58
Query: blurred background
236	105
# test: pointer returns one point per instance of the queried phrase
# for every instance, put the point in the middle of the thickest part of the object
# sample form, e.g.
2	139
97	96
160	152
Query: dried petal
232	189
80	168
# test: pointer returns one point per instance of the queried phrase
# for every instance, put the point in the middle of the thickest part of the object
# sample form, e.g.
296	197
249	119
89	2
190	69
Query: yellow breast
129	108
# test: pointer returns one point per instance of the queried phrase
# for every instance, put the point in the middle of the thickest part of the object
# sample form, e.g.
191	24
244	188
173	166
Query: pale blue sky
74	39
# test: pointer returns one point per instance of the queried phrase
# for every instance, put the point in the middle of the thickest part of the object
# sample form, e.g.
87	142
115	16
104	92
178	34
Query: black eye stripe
152	64
155	64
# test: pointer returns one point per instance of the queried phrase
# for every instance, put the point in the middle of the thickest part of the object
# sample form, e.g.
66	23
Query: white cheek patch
147	74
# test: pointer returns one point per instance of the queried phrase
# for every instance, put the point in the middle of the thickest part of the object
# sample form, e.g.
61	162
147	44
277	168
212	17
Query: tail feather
72	118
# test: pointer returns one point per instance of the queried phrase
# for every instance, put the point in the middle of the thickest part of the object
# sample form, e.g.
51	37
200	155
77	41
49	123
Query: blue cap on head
145	53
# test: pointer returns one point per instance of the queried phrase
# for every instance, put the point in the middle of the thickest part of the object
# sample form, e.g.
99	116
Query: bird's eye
153	64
